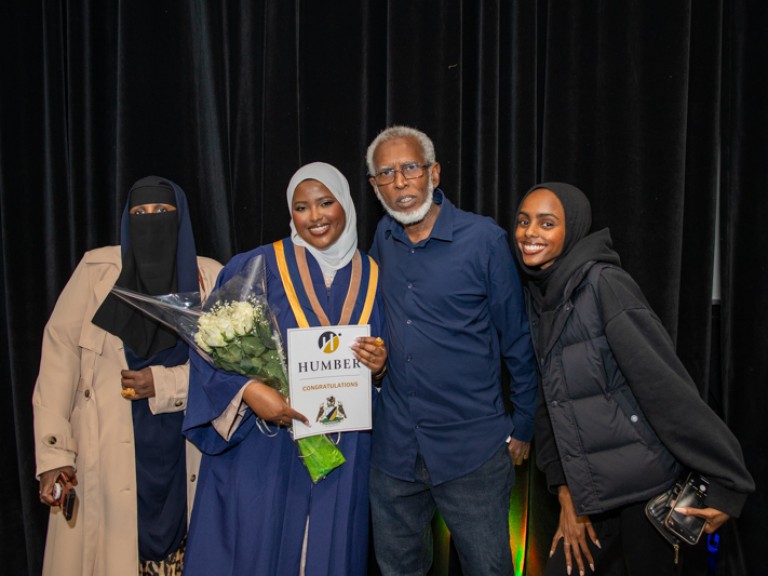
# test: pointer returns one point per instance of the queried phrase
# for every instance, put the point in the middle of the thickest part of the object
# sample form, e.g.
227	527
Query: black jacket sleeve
686	425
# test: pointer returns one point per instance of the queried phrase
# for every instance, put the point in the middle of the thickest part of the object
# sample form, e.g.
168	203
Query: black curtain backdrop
656	109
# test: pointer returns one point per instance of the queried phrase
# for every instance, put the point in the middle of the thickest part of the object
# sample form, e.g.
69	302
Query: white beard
414	216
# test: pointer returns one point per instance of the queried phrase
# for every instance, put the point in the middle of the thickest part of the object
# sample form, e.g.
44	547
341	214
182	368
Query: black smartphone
68	504
692	495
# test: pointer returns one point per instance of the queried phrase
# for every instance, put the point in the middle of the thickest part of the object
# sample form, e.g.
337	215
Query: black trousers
631	546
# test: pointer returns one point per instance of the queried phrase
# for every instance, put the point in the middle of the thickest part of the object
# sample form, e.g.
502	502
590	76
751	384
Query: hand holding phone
64	494
692	495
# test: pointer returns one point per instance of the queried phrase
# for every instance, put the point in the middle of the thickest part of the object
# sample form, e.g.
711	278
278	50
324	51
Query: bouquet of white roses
235	331
238	337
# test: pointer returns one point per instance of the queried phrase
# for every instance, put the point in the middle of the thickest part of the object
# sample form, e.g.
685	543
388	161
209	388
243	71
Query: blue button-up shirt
454	308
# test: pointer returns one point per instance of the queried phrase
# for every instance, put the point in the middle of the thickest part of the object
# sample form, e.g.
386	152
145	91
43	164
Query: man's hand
518	450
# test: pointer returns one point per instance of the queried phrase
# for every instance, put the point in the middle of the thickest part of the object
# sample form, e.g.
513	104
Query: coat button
178	403
87	393
192	478
52	440
634	418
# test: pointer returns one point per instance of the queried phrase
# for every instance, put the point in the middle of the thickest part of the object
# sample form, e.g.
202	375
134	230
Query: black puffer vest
610	454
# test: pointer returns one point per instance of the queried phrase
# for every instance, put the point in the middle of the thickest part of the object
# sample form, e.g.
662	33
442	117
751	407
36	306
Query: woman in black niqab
158	257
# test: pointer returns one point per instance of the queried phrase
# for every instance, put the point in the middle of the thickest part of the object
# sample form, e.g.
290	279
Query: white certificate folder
327	383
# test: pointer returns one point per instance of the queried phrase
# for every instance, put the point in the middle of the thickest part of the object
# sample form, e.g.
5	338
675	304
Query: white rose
224	323
210	330
242	318
201	342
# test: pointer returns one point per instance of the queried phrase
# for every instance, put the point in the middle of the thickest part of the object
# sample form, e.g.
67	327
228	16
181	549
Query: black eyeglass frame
403	168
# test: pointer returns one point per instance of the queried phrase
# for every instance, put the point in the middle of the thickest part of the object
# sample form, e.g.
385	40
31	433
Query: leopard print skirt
172	565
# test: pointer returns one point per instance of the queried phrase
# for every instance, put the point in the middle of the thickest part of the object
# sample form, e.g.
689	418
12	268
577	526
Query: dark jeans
475	508
631	546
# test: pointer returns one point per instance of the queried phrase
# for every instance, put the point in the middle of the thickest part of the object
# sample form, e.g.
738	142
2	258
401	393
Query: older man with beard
443	438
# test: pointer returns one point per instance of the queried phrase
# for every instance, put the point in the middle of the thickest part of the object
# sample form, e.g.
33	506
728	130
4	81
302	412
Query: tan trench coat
81	420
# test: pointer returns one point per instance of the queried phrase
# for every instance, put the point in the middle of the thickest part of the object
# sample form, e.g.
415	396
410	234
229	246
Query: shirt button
412	250
408	358
410	286
408	322
553	404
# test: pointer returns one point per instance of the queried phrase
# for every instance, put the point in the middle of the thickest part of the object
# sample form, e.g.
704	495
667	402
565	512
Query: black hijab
158	257
578	220
550	287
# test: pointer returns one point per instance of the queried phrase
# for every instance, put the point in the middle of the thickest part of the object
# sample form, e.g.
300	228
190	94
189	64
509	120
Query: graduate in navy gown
256	509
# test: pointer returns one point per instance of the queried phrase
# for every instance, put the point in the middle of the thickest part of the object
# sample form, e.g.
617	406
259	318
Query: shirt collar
443	228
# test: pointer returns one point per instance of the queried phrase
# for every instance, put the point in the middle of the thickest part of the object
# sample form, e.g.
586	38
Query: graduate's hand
714	518
573	530
137	384
268	404
371	352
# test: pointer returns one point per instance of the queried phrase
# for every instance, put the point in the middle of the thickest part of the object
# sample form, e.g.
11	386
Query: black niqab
148	266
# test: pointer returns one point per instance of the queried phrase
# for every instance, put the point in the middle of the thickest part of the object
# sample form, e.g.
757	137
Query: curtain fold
655	109
744	239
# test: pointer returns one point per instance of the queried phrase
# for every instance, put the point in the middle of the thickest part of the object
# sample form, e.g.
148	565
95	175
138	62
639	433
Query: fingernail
569	571
592	567
551	552
597	543
581	572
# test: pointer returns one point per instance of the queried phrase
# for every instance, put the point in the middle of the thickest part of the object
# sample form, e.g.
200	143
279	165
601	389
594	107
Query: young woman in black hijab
618	417
110	397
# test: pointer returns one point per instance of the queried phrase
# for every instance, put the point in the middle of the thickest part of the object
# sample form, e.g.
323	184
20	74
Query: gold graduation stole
294	272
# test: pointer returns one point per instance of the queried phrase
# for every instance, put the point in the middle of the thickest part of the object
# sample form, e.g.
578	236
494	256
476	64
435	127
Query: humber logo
328	342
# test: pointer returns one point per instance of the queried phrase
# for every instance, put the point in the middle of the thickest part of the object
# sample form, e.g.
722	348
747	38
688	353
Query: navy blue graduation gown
254	494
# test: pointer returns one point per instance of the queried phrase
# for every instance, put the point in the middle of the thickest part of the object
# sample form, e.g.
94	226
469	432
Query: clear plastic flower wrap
235	330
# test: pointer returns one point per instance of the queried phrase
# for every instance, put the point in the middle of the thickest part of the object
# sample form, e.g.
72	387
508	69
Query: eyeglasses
409	172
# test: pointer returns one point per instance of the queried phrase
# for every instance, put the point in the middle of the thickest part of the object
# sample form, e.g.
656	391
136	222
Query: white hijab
340	253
